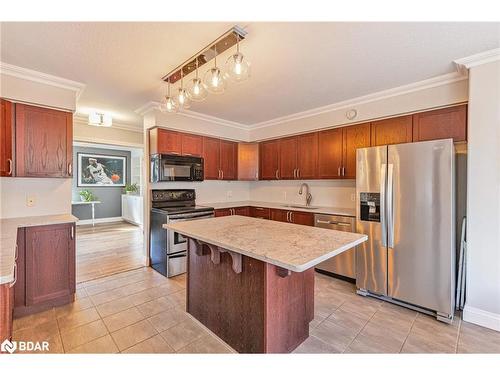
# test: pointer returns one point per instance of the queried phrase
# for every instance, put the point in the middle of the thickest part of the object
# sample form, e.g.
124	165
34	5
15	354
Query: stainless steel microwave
165	167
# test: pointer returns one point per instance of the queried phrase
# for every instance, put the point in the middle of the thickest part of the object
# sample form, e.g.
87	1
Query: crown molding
478	59
83	120
47	79
153	105
441	80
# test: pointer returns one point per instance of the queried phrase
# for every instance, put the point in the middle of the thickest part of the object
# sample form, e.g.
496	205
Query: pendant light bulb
168	103
183	101
237	68
197	91
213	79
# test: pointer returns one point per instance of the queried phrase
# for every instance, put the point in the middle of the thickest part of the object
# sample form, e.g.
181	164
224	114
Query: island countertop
290	246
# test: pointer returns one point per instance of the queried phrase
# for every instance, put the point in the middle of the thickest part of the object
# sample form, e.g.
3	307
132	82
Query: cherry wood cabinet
6	311
269	160
44	142
20	285
49	267
6	138
330	153
392	131
288	158
222	212
220	159
163	141
295	217
242	211
279	215
260	212
307	156
354	137
440	124
211	156
248	161
228	160
191	144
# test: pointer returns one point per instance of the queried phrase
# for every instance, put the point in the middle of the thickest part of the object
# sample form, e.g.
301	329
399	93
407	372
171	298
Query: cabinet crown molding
478	59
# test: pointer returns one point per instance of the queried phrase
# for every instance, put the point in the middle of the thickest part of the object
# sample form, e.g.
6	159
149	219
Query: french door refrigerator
406	206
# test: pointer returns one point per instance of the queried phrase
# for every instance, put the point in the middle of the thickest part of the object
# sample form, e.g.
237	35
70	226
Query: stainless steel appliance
167	167
343	265
168	249
405	204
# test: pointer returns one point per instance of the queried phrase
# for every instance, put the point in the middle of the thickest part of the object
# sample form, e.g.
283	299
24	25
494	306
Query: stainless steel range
168	249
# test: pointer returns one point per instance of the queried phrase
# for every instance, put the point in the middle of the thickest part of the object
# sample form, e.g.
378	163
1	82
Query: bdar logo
8	346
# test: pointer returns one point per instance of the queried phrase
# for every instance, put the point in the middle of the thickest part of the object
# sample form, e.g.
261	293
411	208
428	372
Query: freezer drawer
345	263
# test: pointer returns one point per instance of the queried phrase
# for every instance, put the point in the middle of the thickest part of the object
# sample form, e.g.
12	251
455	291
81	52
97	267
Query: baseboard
99	221
481	318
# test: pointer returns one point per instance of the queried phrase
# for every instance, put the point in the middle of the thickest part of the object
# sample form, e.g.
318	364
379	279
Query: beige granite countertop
283	206
291	246
8	238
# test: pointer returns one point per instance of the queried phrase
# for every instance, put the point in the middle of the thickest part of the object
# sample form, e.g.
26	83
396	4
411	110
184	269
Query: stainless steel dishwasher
344	264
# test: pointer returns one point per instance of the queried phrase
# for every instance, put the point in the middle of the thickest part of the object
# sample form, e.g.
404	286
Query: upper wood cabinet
269	160
288	158
248	161
6	138
330	153
228	160
44	139
163	141
211	156
50	264
191	144
354	137
392	131
307	156
440	124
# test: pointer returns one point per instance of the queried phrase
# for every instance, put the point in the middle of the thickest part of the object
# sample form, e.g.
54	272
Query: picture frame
97	170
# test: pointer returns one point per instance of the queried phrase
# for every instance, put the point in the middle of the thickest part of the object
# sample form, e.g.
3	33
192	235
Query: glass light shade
168	104
182	99
197	91
214	81
237	68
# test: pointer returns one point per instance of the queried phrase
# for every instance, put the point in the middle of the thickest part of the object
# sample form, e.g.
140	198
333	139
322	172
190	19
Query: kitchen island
251	281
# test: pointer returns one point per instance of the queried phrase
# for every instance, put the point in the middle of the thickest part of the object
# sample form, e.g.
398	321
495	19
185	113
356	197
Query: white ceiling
295	66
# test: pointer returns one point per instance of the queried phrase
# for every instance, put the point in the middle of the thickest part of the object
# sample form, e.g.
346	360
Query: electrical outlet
353	197
30	201
229	194
284	196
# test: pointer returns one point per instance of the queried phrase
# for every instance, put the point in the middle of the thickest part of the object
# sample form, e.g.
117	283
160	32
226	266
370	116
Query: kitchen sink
300	206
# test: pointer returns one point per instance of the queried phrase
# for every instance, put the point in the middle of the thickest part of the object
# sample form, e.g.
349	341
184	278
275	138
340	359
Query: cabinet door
330	153
303	218
44	139
248	161
354	137
260	212
20	286
288	158
222	212
50	263
243	211
269	160
191	145
6	139
440	124
307	156
169	142
228	160
279	215
6	308
392	131
211	156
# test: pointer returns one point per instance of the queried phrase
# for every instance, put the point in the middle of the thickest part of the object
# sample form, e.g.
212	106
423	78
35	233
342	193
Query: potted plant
131	188
87	196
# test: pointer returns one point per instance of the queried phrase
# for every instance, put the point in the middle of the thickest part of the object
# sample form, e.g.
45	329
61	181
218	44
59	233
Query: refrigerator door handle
383	224
390	206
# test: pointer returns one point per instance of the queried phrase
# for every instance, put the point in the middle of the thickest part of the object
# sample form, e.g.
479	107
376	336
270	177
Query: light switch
353	197
30	201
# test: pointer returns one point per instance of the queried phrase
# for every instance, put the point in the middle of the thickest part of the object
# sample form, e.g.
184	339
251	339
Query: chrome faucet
309	196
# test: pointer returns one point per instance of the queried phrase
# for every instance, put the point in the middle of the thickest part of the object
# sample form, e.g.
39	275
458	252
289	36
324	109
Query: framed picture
101	170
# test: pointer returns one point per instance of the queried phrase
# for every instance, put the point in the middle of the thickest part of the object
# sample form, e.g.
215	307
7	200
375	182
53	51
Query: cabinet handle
15	276
219	175
343	171
72	232
338	172
222	174
291	216
17	253
287	214
10	167
277	175
70	169
298	173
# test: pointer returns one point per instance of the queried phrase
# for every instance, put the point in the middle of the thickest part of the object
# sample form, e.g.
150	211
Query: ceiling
295	66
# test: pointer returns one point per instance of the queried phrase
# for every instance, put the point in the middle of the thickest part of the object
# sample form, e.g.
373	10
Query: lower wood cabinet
295	217
46	268
6	309
222	212
242	211
260	212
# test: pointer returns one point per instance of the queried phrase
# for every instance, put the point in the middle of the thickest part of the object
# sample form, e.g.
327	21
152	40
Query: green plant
131	188
87	195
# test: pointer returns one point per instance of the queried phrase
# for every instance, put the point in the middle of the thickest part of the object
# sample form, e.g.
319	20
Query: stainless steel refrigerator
406	206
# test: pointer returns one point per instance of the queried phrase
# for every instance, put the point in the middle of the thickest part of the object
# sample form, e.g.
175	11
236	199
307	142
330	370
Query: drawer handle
277	174
10	167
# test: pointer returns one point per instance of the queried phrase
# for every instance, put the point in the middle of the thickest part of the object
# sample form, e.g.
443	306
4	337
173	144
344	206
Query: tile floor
140	311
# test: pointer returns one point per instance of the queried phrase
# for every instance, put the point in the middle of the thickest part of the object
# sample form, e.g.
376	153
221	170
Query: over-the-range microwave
166	167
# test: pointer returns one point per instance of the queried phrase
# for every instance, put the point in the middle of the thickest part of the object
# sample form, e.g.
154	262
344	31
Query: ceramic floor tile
168	319
34	319
183	334
155	344
338	337
83	334
206	344
313	345
133	334
40	332
101	345
155	306
79	305
78	318
476	339
374	339
115	306
122	319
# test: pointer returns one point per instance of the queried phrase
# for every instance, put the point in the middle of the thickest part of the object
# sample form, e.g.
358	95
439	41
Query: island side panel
289	308
229	304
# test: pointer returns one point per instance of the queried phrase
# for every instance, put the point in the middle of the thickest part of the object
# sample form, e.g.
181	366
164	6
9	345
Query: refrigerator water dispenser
369	206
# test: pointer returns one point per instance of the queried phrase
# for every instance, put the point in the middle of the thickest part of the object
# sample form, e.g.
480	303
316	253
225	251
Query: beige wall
483	192
83	132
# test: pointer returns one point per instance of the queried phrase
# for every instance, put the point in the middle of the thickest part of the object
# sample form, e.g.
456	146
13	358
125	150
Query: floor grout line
409	331
458	335
362	328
